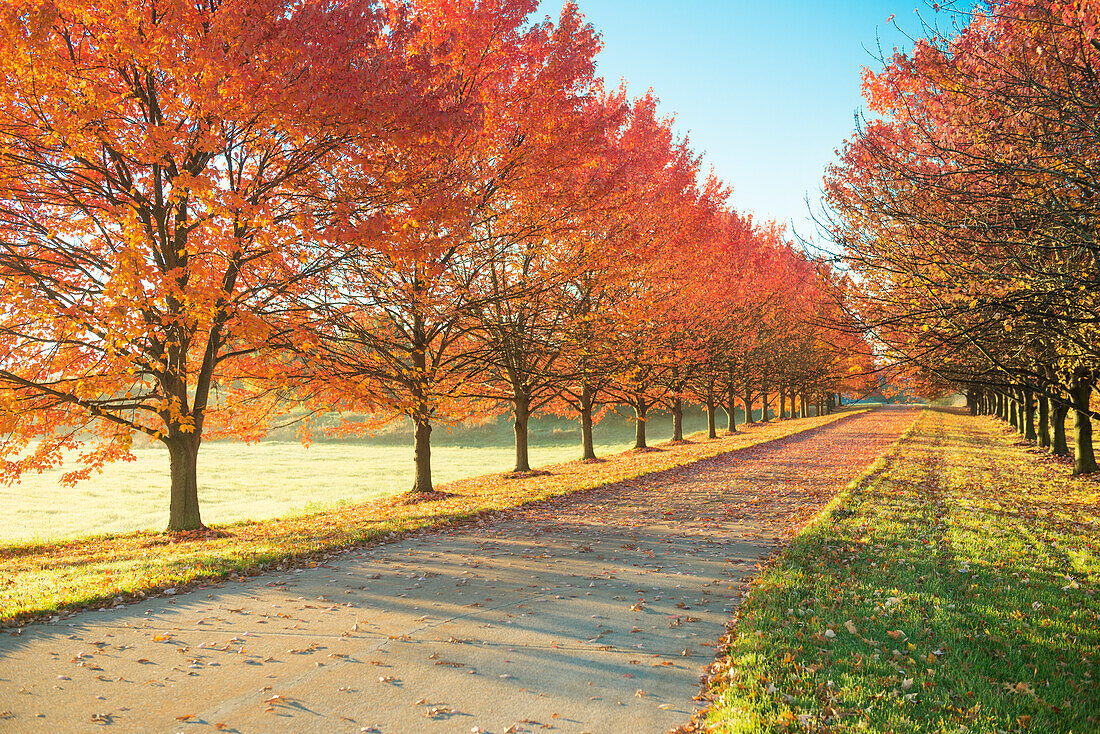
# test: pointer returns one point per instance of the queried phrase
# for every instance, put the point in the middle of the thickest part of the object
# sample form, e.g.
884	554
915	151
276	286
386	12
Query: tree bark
1058	445
422	456
1014	414
677	419
731	396
782	403
1044	421
183	454
763	402
587	404
522	412
1029	416
1084	460
587	445
712	429
640	410
748	404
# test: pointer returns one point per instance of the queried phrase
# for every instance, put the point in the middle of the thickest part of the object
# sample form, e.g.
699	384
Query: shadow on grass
969	576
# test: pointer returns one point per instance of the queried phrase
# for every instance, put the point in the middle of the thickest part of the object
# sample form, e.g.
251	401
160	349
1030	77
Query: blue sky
766	89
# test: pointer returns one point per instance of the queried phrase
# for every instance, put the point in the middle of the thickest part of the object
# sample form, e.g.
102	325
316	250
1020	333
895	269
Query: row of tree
211	214
969	211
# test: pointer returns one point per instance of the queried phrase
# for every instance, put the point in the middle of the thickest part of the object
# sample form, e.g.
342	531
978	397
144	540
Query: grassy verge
37	580
954	589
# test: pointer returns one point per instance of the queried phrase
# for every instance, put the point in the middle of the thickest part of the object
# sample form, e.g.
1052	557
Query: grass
953	589
277	478
241	482
37	579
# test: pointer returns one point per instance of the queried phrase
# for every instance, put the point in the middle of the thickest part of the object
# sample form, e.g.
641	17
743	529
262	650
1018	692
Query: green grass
967	567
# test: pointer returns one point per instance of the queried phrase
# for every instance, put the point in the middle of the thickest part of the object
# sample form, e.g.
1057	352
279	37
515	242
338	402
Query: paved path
591	613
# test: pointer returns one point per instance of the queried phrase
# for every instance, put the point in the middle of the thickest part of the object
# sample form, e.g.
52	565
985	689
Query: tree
157	168
969	208
400	329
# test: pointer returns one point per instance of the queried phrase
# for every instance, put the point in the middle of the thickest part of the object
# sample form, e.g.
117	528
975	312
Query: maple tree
537	236
407	329
157	168
614	251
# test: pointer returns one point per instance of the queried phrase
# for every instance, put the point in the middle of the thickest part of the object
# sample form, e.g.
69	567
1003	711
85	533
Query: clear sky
766	89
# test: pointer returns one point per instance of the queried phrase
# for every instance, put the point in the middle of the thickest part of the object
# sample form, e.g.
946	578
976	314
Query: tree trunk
782	403
522	412
640	409
731	414
1029	416
763	402
422	456
1044	421
587	445
748	405
587	404
1084	460
183	454
677	419
1058	444
712	429
1014	414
